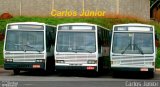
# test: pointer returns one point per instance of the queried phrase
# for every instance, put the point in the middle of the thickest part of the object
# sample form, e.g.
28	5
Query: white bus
29	46
133	48
81	46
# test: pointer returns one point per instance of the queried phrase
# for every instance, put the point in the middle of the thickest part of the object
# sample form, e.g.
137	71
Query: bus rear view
133	48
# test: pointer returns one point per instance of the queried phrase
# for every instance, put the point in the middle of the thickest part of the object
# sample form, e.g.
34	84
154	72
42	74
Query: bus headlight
91	61
60	61
150	63
8	60
115	62
39	60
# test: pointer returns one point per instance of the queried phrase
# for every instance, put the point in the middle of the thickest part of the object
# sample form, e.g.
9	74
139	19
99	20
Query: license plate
36	66
90	68
144	69
75	64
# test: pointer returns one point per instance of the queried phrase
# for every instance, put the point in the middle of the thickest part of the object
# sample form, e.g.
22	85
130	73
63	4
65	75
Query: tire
50	66
93	74
151	74
114	74
16	71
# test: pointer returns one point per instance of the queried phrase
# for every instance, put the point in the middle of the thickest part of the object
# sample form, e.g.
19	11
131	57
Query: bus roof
82	24
134	24
77	24
37	23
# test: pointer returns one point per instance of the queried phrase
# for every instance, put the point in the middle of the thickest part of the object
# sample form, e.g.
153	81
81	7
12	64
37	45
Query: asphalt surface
76	79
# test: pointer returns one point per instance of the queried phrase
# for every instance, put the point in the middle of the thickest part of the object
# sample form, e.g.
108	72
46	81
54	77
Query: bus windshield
133	43
24	40
76	42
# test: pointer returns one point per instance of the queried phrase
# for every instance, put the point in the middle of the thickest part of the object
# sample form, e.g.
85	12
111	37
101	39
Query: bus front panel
24	47
133	49
76	48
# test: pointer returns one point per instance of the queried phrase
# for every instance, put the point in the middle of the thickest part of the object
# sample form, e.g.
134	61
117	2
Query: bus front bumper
24	65
132	69
78	68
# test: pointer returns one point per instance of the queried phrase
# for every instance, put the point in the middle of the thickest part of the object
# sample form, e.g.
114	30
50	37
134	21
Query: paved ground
70	79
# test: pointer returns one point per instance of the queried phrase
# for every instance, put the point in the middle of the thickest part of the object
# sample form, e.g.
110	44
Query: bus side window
99	49
49	38
48	41
99	42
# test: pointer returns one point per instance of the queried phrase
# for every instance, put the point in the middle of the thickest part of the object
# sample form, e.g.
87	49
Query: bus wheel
93	74
151	74
16	71
115	74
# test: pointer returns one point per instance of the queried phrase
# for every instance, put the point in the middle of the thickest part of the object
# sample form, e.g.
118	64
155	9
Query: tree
152	1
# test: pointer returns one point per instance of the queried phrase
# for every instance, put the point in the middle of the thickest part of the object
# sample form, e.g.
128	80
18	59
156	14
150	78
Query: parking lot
71	79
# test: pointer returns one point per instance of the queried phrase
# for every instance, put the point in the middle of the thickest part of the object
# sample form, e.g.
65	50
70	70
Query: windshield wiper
126	49
12	43
76	50
141	51
88	51
33	47
20	45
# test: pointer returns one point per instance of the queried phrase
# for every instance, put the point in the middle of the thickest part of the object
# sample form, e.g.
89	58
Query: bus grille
24	57
133	60
76	59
